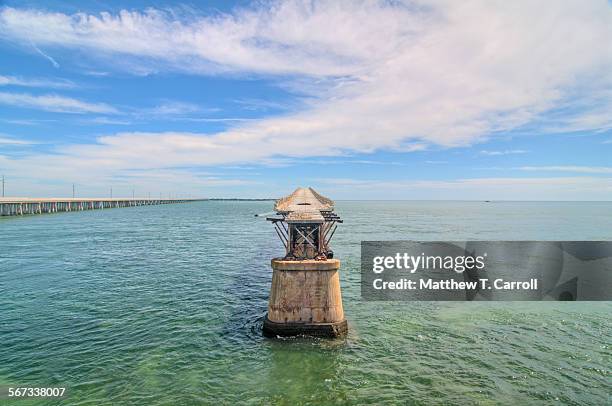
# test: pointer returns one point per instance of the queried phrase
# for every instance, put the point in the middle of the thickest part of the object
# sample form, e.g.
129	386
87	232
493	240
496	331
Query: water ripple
165	305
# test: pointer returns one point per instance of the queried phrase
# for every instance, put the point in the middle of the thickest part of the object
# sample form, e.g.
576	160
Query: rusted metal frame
328	225
315	228
274	219
325	228
331	224
324	231
330	216
332	234
306	239
284	228
283	237
283	241
321	238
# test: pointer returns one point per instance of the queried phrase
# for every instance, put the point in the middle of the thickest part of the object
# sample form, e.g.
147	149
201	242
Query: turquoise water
164	305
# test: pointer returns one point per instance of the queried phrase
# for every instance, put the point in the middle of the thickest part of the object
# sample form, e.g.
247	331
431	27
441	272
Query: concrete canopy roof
304	200
304	205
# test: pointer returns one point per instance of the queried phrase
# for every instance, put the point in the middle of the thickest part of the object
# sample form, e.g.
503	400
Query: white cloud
47	57
166	111
568	168
504	152
96	73
562	188
377	75
215	119
35	82
592	114
56	179
104	121
596	120
254	104
27	121
56	103
4	140
174	108
443	184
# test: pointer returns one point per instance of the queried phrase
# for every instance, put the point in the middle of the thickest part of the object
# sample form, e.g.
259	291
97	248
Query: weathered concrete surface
305	299
330	330
306	265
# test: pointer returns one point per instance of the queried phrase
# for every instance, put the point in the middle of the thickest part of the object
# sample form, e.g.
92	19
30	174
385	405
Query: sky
469	100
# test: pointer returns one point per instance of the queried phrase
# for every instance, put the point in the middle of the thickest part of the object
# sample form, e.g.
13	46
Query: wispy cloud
173	108
96	73
168	176
369	75
55	103
593	114
26	121
5	140
105	121
96	181
44	55
376	73
167	111
504	152
493	181
346	161
36	82
254	104
542	188
568	168
217	119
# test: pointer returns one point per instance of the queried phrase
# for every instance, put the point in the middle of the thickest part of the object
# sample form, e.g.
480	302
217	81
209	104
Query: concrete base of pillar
305	299
328	330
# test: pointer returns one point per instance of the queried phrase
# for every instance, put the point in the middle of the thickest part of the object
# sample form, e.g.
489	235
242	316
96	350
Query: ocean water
163	305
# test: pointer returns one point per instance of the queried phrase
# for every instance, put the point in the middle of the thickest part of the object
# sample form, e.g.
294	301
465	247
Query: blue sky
375	100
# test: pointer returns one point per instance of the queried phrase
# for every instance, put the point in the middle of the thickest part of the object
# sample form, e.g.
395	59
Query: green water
164	305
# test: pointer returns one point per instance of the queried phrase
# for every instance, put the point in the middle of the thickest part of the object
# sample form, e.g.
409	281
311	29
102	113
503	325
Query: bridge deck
19	206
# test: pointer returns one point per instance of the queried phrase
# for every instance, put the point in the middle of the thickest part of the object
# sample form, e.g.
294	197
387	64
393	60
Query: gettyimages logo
410	263
486	270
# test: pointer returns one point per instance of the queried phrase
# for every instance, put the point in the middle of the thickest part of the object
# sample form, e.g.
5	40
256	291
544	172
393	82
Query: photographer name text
451	284
457	264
